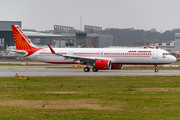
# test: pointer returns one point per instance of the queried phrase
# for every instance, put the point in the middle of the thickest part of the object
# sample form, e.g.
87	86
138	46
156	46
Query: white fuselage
115	55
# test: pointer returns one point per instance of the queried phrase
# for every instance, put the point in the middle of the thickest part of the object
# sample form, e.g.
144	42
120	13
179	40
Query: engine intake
103	64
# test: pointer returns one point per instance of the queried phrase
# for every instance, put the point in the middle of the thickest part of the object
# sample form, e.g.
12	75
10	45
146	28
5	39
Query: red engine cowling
103	64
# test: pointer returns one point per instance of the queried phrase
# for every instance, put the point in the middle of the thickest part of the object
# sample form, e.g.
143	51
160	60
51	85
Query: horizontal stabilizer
21	52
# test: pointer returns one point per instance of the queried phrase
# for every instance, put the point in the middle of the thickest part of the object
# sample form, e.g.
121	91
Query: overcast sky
137	14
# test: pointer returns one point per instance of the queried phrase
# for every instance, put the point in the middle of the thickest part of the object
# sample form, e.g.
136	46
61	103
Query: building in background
91	36
177	42
6	35
140	43
95	38
99	40
61	36
42	39
168	46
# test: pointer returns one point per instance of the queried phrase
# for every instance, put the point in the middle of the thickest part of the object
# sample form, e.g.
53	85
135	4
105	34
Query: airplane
98	58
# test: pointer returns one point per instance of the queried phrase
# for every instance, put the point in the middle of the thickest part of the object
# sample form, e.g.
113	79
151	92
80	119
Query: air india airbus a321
98	58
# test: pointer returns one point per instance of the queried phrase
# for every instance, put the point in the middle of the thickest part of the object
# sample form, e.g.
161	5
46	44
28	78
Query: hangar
62	36
6	35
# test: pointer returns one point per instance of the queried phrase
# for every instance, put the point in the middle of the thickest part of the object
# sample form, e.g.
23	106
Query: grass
152	97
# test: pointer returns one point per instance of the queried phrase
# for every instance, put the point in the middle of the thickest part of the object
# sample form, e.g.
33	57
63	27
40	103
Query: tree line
128	36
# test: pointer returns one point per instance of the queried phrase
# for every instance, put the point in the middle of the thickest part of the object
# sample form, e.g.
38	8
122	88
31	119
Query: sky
138	14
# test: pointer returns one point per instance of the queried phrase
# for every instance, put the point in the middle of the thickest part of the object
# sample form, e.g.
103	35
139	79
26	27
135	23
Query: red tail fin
22	42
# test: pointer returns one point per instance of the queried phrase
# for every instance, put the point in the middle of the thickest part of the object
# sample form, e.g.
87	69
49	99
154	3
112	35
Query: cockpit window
166	54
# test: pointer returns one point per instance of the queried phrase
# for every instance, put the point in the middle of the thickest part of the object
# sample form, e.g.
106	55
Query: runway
35	71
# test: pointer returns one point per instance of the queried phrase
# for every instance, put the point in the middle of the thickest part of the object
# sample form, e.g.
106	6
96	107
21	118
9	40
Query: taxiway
35	71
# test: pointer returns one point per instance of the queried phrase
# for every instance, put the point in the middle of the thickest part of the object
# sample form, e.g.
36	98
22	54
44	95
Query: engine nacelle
103	64
117	66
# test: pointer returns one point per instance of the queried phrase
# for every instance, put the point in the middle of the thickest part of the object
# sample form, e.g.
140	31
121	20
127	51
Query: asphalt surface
35	71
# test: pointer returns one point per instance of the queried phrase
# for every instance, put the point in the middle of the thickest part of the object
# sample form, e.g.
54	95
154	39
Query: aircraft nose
174	59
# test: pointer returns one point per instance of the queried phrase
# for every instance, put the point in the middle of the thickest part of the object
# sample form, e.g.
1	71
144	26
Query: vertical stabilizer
22	42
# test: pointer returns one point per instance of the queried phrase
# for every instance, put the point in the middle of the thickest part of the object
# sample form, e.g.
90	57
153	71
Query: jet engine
102	64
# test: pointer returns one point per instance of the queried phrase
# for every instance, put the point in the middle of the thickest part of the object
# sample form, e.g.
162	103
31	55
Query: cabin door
155	54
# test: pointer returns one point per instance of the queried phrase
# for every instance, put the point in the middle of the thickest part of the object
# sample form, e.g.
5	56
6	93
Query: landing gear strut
86	69
156	70
121	67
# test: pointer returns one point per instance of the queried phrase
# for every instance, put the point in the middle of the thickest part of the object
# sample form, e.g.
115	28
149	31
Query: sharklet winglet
52	51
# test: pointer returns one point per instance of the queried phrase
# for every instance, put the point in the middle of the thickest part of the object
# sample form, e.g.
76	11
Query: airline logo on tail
25	37
22	42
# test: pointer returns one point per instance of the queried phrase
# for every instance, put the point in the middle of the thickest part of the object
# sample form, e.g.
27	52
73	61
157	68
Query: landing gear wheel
94	69
86	69
156	70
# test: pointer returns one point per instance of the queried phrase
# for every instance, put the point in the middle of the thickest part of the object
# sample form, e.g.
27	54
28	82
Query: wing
76	58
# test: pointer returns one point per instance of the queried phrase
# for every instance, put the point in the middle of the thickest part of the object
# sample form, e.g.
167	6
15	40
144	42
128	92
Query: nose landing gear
156	70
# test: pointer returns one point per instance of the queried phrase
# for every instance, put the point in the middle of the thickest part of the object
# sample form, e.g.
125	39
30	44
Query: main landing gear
94	69
87	69
156	70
